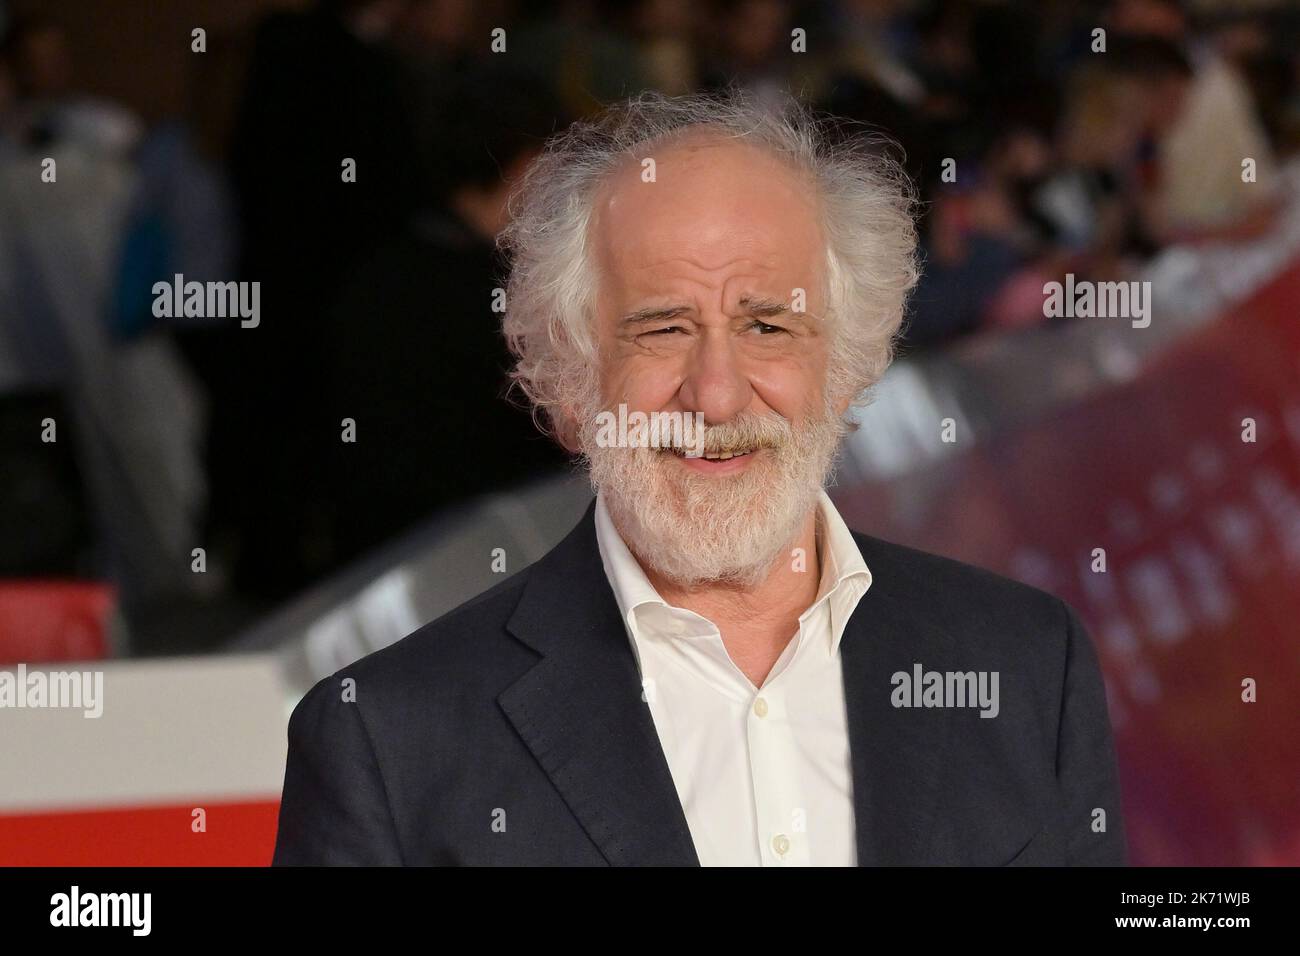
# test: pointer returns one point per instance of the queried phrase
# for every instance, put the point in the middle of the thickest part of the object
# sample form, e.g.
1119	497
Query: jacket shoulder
468	645
958	593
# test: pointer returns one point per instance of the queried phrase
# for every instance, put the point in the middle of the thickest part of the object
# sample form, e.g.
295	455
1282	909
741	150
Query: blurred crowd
1044	136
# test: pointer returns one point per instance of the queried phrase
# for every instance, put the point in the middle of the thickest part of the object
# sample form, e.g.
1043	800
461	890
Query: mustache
748	431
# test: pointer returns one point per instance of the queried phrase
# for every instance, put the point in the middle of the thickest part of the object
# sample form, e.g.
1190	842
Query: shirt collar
631	586
845	576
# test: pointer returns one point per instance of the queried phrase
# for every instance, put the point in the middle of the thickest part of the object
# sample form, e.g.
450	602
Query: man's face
698	275
711	300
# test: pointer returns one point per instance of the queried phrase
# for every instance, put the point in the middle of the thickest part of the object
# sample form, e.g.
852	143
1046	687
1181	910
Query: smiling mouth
713	455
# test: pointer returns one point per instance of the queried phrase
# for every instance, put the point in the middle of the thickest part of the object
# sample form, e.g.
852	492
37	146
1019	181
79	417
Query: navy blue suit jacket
513	731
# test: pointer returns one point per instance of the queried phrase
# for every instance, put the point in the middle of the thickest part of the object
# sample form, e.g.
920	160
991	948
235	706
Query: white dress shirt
763	774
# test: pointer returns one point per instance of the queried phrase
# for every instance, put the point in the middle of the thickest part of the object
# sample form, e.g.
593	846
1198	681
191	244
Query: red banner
1186	483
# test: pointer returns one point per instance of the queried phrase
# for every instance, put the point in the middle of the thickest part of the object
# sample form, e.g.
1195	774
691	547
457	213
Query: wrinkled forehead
709	200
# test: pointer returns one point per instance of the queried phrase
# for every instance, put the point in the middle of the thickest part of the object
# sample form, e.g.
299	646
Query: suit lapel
581	712
898	754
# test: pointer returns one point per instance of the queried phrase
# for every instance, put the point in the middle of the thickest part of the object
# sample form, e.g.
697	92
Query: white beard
693	528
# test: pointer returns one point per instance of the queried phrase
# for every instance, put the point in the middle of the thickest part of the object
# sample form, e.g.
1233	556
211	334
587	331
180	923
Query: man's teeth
724	455
711	455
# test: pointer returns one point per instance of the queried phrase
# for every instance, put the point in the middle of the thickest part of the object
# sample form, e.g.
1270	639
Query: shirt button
781	844
760	707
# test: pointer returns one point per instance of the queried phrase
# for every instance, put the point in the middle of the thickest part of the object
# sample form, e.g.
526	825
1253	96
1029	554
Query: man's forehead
673	175
705	204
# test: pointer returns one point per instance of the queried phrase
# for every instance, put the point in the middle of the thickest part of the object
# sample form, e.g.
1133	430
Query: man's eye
664	331
764	328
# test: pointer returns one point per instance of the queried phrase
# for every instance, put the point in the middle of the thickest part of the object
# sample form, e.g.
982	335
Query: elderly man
712	668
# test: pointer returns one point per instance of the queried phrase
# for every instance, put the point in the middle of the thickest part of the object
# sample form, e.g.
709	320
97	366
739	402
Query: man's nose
715	383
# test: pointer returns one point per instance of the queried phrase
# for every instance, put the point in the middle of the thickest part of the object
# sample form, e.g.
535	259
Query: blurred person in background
415	352
750	48
436	42
131	408
981	231
666	32
1261	49
1204	123
322	88
1081	204
584	48
869	76
877	43
50	107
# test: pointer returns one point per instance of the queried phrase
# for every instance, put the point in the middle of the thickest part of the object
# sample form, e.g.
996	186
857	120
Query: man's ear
566	429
